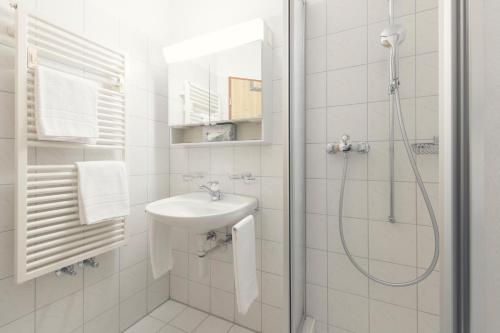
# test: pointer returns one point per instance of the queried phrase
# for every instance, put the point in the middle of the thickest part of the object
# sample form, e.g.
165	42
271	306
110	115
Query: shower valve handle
345	145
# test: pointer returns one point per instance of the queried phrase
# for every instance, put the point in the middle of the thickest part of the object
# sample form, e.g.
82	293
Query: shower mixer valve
345	145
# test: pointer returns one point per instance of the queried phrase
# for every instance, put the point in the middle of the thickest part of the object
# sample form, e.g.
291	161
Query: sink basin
197	212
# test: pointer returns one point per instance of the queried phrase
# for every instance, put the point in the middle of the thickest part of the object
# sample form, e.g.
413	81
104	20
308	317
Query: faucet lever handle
213	184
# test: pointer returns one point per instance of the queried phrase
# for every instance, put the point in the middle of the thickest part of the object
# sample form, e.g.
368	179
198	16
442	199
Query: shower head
392	36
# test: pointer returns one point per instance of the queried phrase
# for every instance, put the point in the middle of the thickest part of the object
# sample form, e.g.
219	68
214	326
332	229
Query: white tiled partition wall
121	291
214	293
347	92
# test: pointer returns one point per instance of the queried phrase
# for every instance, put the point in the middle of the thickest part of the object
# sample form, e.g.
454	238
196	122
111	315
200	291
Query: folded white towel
160	247
245	268
102	191
66	107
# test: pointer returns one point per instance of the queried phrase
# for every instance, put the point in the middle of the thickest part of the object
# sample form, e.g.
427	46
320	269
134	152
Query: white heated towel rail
49	235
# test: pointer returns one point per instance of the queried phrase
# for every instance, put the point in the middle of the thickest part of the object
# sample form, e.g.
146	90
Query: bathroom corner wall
346	92
121	291
214	292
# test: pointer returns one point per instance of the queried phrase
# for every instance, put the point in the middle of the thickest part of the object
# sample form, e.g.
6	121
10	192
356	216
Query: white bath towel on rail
102	191
66	107
160	247
245	268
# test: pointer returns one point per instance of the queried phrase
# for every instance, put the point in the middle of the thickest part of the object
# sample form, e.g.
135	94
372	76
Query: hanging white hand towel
245	268
66	107
160	247
102	191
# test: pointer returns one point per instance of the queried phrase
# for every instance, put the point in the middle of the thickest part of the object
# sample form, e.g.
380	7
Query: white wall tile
272	319
316	125
393	242
222	276
50	288
317	302
101	297
428	293
109	264
342	275
425	246
25	324
315	161
272	289
134	252
355	232
427	75
101	26
132	309
428	323
64	315
7	69
316	231
315	18
316	55
272	192
6	115
316	90
6	254
348	119
6	207
347	48
222	304
6	161
316	196
388	318
179	289
316	267
133	279
426	37
347	86
272	257
343	15
272	225
404	296
16	300
67	13
272	161
348	311
158	291
199	296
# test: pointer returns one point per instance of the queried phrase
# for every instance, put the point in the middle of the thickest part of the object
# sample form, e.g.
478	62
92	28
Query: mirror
236	80
189	92
222	95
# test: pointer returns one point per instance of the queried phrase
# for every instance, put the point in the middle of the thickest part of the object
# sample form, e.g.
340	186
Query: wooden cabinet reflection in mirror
245	98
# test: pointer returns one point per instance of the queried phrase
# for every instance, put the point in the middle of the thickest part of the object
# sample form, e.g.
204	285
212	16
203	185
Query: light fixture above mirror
217	41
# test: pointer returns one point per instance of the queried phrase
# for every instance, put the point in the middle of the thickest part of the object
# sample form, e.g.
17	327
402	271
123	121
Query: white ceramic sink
197	212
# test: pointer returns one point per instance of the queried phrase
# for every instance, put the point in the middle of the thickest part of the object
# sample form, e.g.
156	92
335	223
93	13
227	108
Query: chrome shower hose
425	195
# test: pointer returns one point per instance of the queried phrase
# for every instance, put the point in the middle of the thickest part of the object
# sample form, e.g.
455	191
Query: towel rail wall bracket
49	235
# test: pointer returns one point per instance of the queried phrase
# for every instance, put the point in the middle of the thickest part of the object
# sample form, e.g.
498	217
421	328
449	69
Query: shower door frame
294	163
454	164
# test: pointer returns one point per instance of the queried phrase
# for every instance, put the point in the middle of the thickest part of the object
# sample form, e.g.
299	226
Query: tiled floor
174	317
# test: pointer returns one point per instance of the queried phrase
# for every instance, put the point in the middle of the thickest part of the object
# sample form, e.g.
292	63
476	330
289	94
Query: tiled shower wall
347	92
214	292
121	291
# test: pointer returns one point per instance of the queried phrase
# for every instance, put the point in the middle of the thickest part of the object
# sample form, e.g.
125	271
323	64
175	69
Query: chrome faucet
212	188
